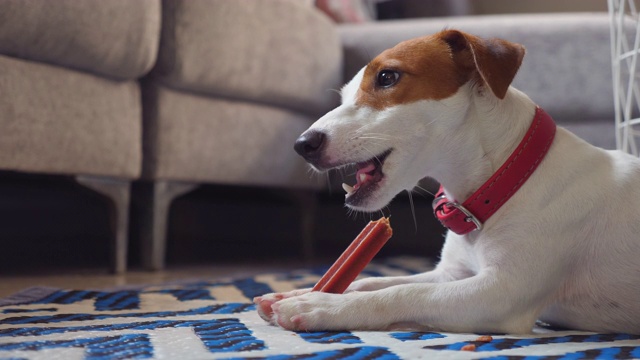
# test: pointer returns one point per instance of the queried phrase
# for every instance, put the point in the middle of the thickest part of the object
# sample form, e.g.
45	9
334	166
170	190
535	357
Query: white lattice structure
625	44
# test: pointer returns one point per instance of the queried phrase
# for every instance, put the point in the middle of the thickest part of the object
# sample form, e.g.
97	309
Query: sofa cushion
199	139
115	38
59	121
280	52
567	67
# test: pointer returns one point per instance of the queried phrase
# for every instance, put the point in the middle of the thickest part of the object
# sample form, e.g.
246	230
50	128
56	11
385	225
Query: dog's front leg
376	283
482	303
453	266
265	302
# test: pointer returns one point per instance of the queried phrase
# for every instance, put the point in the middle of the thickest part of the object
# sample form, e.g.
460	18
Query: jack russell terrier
542	225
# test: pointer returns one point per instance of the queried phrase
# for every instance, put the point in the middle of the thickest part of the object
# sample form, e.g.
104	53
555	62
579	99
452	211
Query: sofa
173	94
71	103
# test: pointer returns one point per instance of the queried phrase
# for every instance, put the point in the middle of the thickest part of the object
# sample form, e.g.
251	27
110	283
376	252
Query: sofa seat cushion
114	38
567	67
60	121
199	139
281	52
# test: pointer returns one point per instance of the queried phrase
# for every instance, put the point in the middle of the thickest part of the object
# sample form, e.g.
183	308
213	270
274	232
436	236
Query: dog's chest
468	252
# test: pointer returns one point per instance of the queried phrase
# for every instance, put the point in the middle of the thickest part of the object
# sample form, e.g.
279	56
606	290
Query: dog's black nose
309	145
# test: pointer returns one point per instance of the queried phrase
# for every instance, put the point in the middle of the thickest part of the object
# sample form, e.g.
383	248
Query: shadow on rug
216	320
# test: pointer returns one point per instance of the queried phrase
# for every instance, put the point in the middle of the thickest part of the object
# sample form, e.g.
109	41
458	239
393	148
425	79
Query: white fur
564	249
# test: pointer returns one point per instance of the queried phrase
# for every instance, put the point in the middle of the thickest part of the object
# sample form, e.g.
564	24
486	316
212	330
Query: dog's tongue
362	175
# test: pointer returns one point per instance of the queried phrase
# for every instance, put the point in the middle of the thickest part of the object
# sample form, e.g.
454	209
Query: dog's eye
387	78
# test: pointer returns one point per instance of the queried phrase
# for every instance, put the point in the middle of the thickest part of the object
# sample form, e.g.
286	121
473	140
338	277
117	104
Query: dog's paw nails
265	309
266	304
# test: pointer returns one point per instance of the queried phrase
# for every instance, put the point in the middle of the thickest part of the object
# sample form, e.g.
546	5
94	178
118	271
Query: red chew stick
356	257
343	257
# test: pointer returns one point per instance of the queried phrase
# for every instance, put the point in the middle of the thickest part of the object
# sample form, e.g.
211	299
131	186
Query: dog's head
404	108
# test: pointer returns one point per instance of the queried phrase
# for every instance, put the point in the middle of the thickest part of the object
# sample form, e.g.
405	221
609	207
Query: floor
100	279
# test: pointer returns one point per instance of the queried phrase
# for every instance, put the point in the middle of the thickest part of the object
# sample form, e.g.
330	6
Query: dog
561	243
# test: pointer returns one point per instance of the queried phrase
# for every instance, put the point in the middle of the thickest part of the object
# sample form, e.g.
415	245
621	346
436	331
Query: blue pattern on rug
216	319
331	337
367	352
413	336
112	347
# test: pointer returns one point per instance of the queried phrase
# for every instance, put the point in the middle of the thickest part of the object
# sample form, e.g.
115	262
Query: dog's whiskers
335	91
418	187
369	138
388	211
369	135
374	156
353	213
358	130
387	136
413	210
328	178
374	143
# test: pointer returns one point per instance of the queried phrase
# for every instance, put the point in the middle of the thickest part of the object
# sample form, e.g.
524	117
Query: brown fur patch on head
426	72
434	67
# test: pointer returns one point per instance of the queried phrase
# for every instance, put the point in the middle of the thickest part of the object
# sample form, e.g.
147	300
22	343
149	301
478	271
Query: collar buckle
441	202
469	217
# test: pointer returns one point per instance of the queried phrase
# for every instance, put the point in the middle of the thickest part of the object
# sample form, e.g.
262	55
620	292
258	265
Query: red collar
478	208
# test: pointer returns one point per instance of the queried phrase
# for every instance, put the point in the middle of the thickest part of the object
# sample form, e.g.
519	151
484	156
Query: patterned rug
216	320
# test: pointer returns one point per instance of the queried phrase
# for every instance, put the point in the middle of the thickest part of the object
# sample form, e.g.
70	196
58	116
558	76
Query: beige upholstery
193	138
114	38
236	82
59	121
71	102
279	52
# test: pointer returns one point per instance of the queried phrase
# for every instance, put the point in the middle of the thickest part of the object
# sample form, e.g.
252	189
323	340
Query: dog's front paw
265	302
308	312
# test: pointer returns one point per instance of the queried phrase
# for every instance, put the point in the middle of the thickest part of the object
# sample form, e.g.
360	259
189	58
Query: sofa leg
118	191
155	204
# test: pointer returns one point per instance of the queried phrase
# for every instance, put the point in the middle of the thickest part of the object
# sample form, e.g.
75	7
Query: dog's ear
496	61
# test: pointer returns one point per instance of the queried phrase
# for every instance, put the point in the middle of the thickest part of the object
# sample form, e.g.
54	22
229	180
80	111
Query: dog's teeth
348	188
363	177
